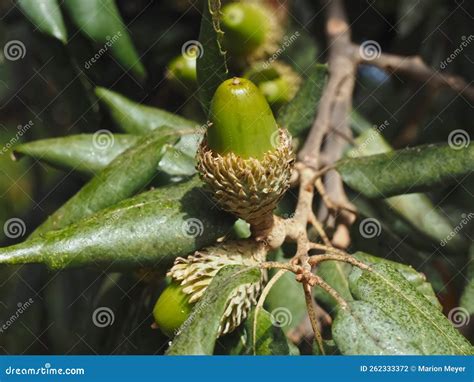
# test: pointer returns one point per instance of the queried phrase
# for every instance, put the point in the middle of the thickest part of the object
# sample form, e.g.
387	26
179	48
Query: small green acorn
181	72
241	120
171	309
277	81
192	275
250	29
245	158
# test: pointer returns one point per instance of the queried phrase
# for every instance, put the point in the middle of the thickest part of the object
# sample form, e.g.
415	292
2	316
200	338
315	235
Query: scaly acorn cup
245	159
251	30
181	72
192	275
277	81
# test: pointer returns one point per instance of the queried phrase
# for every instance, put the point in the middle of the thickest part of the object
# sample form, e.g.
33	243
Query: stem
261	300
316	259
316	280
414	68
312	316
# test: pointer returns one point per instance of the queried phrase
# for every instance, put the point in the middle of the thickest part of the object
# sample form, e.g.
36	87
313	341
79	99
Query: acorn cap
181	71
195	272
241	120
249	188
171	309
251	29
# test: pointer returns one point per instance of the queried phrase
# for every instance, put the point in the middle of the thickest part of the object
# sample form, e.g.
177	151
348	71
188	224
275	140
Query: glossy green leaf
417	209
211	60
151	229
415	278
177	162
298	115
406	171
86	153
126	175
198	333
46	16
100	20
364	329
336	274
394	318
135	118
180	159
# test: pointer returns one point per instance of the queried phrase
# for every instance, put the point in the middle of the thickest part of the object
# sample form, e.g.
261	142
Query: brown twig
414	68
310	306
337	95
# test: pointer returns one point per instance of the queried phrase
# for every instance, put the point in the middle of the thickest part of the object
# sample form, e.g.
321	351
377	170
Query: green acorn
181	72
277	81
171	309
251	30
192	275
245	159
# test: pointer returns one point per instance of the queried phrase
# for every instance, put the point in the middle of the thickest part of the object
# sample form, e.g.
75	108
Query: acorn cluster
245	160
